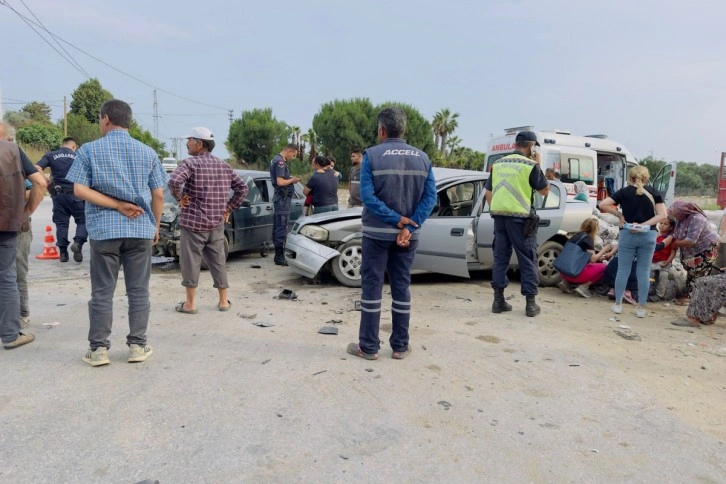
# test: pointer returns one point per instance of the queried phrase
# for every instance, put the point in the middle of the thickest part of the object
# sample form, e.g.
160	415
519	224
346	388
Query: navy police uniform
282	201
65	203
512	183
396	180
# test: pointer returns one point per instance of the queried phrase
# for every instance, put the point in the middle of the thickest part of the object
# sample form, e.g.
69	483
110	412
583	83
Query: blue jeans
380	256
630	246
9	296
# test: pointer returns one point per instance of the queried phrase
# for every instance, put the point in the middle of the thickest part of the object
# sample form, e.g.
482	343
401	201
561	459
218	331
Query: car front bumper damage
307	257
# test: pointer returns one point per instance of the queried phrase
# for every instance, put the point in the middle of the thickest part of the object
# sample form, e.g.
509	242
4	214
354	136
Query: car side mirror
246	203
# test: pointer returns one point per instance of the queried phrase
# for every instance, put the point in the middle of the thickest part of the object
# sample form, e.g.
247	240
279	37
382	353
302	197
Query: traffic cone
50	251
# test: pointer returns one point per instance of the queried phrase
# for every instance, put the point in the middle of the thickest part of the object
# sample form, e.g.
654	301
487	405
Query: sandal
681	302
225	308
355	350
179	308
683	322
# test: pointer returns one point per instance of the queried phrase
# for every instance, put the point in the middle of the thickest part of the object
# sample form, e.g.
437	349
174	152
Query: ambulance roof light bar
517	129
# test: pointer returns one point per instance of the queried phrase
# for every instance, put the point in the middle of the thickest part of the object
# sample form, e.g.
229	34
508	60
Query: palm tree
447	125
436	125
453	144
313	142
295	130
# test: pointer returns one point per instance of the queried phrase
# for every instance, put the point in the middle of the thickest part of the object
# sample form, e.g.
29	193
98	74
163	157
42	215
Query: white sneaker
617	308
138	353
97	357
583	291
640	312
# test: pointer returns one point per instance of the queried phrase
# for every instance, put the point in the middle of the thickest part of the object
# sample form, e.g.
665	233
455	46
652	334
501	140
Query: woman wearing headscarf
643	208
581	191
696	240
709	295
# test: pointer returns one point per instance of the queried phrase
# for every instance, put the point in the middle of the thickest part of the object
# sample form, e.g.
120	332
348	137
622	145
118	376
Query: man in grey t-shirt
354	200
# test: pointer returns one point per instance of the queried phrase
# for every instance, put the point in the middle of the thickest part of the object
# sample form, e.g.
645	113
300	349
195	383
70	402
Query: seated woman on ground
707	298
594	269
696	240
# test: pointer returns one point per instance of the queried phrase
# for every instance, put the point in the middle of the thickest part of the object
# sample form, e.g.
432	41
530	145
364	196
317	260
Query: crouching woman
595	268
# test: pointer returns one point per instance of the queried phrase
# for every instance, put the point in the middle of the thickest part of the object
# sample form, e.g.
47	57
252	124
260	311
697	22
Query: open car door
665	182
448	236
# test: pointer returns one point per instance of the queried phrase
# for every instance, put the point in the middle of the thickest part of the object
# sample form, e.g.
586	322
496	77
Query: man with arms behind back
123	182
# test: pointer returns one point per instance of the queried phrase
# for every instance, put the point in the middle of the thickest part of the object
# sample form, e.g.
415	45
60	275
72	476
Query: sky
649	74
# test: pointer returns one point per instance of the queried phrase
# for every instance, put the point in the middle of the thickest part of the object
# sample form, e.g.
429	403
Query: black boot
280	256
500	305
532	309
63	252
77	250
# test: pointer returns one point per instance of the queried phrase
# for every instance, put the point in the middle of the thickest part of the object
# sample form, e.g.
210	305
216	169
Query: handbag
572	260
531	223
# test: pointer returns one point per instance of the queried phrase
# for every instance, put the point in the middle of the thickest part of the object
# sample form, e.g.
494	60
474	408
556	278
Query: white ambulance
596	160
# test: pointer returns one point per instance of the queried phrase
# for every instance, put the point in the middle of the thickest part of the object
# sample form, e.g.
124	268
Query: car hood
327	217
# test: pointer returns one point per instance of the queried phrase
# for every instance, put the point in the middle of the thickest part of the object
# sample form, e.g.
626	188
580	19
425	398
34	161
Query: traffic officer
284	184
510	192
65	203
398	190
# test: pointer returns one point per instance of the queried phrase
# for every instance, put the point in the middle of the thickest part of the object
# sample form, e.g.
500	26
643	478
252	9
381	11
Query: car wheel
548	252
346	267
205	267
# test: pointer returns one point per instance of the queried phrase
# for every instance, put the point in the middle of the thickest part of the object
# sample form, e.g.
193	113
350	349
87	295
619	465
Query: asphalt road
481	399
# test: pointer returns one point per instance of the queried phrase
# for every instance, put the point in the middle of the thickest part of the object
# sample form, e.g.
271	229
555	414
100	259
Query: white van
596	160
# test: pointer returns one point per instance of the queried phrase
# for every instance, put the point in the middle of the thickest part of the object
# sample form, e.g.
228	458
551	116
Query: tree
446	124
37	112
313	140
17	118
654	165
40	136
80	129
145	136
453	144
88	98
342	125
418	130
255	136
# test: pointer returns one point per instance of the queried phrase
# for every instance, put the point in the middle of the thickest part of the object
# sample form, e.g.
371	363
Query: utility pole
65	115
156	117
231	115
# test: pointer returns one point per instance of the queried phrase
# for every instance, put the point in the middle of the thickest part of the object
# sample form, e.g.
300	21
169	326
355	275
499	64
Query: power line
29	21
53	36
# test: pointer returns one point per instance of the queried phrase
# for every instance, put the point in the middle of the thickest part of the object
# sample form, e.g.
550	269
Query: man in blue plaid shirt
123	182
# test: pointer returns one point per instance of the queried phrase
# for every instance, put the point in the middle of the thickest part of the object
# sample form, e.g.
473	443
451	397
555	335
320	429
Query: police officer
398	190
282	200
510	189
356	156
65	203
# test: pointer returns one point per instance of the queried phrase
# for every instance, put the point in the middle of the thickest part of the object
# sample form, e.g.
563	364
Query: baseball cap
203	133
527	136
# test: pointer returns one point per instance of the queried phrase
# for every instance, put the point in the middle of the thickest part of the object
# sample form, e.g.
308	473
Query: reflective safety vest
511	191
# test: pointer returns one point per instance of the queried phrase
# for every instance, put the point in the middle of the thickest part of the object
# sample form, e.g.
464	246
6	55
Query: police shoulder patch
281	162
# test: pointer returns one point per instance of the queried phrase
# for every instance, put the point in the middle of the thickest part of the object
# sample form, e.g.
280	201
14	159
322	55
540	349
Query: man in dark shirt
323	186
284	184
356	157
65	203
14	166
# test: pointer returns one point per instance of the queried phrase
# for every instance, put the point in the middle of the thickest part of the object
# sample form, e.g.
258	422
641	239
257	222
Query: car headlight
314	232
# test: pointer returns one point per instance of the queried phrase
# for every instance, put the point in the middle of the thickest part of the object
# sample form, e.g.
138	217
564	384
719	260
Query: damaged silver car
457	239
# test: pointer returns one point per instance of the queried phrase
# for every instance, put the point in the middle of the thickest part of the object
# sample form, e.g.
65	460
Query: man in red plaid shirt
201	184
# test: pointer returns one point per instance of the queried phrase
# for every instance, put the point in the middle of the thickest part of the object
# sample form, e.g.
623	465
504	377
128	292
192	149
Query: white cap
200	133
